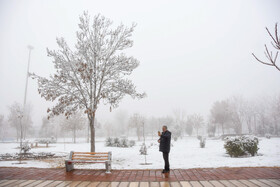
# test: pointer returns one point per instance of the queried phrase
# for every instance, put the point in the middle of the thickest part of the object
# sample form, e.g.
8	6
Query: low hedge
241	145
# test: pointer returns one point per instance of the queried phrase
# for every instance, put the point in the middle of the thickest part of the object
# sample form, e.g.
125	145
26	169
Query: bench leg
69	165
108	166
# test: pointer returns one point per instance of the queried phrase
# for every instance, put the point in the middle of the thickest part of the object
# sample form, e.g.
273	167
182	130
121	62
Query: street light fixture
22	113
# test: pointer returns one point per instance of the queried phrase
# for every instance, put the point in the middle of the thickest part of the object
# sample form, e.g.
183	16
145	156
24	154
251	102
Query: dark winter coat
165	140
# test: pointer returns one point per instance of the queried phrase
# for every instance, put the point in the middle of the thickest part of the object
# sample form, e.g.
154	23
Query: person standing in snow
164	147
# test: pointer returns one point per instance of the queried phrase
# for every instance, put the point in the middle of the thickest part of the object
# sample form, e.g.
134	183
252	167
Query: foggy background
191	53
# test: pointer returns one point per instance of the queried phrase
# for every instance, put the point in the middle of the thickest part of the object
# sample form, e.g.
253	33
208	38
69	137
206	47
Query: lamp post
27	74
22	113
26	82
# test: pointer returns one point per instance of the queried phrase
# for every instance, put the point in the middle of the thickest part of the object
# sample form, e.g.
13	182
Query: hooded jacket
165	140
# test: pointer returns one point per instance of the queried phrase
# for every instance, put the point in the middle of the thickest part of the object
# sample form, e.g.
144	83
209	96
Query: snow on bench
89	157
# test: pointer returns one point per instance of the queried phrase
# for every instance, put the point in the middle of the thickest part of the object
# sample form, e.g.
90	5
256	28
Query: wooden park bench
89	157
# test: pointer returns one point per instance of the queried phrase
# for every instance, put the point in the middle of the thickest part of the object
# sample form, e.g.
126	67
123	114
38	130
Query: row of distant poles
22	113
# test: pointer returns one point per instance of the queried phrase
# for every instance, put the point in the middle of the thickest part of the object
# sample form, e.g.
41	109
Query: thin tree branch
269	54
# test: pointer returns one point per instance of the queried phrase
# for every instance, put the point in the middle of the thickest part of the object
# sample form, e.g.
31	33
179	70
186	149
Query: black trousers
166	161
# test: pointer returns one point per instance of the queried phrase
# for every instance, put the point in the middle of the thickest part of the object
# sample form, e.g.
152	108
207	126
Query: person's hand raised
159	134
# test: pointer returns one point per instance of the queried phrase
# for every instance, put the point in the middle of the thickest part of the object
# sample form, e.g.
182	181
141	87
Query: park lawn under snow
185	153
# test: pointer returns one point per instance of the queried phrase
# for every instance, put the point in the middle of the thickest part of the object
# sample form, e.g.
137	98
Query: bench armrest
109	155
71	155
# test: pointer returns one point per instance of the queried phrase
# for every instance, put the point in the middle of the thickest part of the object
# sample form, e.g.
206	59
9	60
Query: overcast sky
191	53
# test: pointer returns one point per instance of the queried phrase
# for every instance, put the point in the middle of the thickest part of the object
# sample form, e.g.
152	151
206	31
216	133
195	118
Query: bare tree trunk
74	133
92	133
24	131
17	135
275	126
88	134
138	133
255	125
249	124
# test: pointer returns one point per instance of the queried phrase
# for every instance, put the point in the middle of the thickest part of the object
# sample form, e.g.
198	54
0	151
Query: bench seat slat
91	156
83	161
79	158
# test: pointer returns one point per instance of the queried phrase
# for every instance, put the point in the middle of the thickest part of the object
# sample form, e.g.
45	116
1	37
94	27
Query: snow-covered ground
185	153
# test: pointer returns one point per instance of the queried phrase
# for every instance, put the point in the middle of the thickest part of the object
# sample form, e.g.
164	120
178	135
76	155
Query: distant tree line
233	115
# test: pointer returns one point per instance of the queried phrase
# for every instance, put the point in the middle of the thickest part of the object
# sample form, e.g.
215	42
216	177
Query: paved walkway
210	183
245	176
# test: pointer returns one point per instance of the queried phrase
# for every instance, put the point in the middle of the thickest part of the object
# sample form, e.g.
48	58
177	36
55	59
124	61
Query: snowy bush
250	144
29	156
131	143
211	130
233	147
199	137
202	142
109	142
116	142
25	147
53	140
268	136
241	145
124	142
143	150
176	132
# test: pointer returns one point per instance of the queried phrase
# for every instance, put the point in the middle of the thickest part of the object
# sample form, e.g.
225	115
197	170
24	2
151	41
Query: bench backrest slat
91	153
93	156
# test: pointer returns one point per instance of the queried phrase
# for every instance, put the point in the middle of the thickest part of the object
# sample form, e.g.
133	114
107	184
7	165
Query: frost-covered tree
219	114
47	128
14	118
153	125
1	125
55	124
121	122
74	123
136	121
179	117
95	70
168	121
196	121
109	130
189	126
249	114
179	123
211	129
236	111
275	114
20	120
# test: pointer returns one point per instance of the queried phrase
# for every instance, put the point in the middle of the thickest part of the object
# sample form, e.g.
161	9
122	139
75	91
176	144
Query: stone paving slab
210	183
198	174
